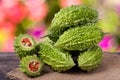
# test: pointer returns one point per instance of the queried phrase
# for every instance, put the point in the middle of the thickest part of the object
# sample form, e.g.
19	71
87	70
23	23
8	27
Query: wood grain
8	62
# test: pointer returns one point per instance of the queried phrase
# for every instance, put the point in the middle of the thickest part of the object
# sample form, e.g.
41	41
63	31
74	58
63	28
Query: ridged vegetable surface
70	17
31	65
90	59
72	40
24	45
59	61
80	38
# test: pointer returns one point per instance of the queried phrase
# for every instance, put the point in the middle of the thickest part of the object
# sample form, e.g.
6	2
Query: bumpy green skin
90	59
47	40
79	38
21	50
24	65
59	61
70	17
54	38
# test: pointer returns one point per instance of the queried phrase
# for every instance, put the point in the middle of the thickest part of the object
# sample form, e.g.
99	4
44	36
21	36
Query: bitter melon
59	61
54	38
46	40
31	65
79	38
90	59
24	45
70	17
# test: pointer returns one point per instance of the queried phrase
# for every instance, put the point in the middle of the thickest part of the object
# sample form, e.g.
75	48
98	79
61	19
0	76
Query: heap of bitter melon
73	33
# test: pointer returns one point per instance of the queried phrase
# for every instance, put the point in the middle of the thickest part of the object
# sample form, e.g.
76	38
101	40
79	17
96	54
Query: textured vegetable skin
22	50
24	65
70	17
80	38
59	61
90	59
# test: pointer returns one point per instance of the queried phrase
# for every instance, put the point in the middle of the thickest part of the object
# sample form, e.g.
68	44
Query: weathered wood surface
108	70
8	62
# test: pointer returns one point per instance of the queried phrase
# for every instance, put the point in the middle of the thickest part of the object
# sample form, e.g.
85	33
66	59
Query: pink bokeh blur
15	12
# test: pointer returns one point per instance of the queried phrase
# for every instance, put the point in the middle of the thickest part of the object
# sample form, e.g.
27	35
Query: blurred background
34	17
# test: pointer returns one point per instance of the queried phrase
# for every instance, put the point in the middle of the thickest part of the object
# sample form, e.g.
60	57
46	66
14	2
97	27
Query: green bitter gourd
70	17
90	59
24	45
59	61
80	38
31	65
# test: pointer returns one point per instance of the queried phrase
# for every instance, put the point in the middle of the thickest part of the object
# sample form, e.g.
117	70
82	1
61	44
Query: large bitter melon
59	61
80	38
70	17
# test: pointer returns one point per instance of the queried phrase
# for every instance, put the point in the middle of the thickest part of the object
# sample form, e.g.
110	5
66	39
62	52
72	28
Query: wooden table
110	68
8	62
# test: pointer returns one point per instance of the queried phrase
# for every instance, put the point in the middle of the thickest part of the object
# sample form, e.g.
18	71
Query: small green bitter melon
90	59
24	45
31	65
